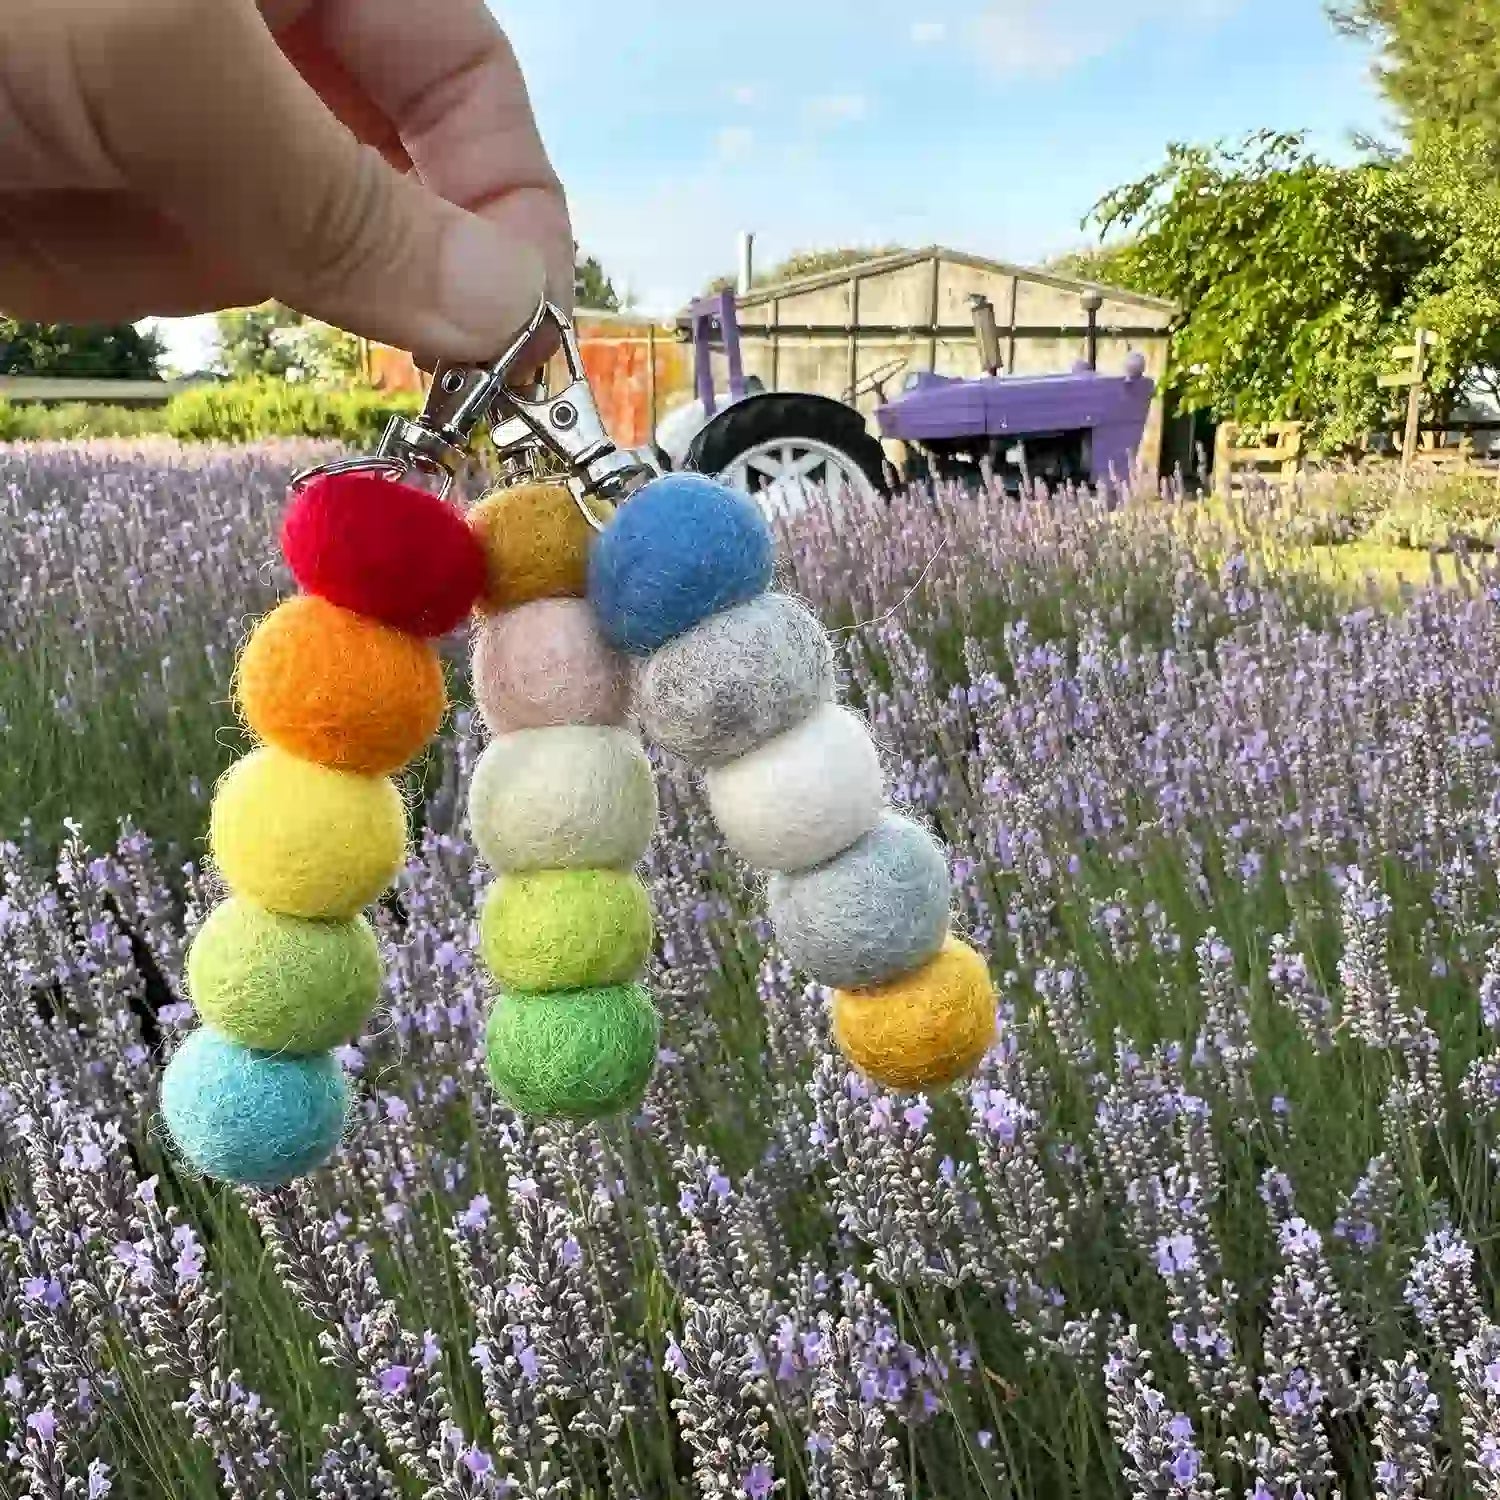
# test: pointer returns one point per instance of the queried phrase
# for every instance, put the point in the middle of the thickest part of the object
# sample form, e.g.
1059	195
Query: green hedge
76	419
233	412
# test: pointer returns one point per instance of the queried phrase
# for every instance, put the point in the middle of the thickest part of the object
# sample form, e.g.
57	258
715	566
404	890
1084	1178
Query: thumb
204	116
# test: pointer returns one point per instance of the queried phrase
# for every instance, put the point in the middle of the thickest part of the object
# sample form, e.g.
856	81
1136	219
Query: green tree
807	263
592	287
1297	278
1439	60
1104	264
247	340
275	340
101	351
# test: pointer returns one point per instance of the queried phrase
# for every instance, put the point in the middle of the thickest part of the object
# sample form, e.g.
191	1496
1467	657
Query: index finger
445	77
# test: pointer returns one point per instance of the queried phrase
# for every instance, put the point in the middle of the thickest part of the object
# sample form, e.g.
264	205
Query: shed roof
878	265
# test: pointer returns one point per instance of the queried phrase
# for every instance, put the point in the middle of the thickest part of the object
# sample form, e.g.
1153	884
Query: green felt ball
283	984
575	1055
546	930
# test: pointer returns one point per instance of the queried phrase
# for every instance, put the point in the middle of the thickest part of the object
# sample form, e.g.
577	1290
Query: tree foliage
1104	264
1297	278
100	351
1440	60
592	286
273	340
808	263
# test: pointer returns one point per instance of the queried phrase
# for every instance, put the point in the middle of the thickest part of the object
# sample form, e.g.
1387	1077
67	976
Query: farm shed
830	332
833	331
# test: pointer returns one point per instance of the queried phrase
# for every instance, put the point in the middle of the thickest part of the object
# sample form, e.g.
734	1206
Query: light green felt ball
550	930
577	1054
283	984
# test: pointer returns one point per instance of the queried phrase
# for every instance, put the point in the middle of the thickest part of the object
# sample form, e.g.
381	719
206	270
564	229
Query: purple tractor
1081	427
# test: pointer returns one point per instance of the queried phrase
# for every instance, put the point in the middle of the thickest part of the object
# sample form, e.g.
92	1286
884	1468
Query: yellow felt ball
536	544
304	840
924	1029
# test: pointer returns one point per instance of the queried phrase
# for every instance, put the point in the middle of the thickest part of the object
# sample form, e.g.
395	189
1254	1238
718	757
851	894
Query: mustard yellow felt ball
924	1029
304	840
536	544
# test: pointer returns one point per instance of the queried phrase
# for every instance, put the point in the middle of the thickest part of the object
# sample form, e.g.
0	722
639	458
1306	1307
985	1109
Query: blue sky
988	125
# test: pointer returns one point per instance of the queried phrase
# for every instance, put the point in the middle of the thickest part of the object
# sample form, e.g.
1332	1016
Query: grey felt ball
877	910
735	680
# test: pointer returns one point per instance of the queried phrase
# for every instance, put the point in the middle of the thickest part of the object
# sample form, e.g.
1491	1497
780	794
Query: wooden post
934	310
651	382
1412	379
775	344
1414	403
853	334
1224	442
1010	346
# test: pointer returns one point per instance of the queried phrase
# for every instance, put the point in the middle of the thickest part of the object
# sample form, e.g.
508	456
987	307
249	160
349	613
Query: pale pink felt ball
544	664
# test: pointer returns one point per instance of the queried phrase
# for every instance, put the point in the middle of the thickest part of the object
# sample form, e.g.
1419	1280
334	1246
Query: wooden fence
1276	454
1280	453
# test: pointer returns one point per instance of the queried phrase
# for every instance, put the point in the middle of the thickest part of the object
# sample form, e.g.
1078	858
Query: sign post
1412	379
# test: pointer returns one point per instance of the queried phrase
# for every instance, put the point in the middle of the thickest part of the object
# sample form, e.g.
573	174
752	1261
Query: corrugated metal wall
632	364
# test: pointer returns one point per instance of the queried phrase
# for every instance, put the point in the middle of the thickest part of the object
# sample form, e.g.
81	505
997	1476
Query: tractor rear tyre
778	441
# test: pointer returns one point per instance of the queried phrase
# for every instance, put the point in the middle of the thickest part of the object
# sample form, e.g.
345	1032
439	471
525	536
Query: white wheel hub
779	472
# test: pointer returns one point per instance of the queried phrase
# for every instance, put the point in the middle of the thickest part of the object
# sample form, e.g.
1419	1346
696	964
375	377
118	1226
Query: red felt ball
384	549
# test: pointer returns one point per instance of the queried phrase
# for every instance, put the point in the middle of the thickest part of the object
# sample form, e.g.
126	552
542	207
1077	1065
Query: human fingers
251	164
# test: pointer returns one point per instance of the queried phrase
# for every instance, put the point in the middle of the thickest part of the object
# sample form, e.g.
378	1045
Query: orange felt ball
339	689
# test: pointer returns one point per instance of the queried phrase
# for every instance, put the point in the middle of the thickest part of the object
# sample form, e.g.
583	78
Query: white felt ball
803	796
569	797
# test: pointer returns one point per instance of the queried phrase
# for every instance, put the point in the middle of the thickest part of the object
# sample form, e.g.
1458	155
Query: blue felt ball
679	550
258	1118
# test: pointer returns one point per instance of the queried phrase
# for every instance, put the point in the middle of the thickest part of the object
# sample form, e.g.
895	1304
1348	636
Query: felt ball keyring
610	597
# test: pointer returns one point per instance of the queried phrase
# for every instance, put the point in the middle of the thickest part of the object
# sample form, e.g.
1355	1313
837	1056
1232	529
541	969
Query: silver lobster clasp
438	439
526	425
566	424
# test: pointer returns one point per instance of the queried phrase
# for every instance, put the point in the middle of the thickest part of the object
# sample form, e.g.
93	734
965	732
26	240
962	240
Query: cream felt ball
570	797
565	929
735	680
304	840
575	1055
546	663
680	549
803	796
283	984
252	1117
925	1029
875	911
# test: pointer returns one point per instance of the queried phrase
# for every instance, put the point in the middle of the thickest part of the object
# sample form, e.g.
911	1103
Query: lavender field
1216	1218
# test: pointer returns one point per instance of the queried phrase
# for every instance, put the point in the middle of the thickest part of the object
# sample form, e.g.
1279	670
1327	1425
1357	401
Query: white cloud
838	109
929	33
734	142
1047	38
744	94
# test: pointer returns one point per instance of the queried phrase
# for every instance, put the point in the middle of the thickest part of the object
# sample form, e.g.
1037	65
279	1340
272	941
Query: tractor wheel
774	445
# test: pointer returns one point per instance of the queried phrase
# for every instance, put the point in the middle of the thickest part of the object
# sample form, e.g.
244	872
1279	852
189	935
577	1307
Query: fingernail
490	285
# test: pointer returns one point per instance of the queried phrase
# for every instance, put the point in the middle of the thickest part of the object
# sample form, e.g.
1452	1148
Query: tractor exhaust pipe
1092	301
747	261
986	333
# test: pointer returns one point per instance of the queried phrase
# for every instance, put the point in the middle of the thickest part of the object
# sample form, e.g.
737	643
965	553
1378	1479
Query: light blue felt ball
679	550
257	1118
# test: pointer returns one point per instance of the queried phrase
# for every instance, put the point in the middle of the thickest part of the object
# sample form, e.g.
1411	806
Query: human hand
372	163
